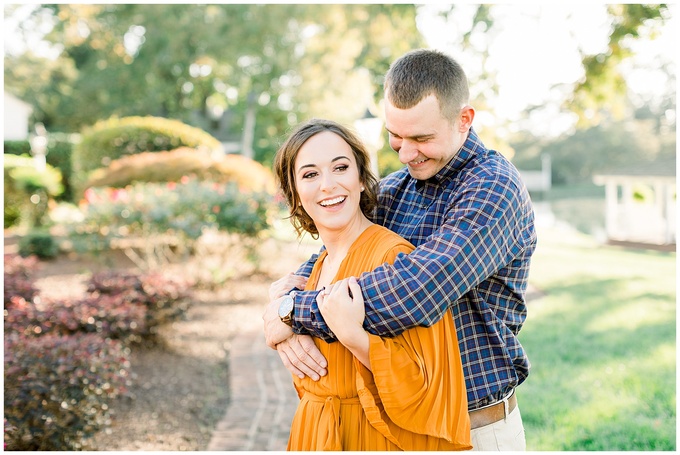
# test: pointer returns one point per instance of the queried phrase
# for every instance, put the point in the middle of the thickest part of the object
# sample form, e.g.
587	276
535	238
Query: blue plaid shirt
473	226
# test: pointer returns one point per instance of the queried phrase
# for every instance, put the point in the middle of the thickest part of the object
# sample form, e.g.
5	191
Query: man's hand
302	358
275	331
282	286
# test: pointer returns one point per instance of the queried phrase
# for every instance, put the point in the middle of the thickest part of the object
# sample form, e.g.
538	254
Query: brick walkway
263	399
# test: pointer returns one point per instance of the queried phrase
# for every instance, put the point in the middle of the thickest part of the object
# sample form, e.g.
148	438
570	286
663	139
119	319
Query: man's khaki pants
504	435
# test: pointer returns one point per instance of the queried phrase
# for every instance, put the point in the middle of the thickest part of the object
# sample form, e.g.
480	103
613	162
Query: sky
535	47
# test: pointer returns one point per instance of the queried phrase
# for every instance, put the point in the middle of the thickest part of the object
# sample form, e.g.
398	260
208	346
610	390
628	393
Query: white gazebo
16	114
641	202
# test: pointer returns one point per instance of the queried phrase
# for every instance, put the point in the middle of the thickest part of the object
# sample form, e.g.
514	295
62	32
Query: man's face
424	139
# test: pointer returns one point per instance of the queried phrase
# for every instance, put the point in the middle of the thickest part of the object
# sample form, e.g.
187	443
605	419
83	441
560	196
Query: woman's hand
345	316
282	286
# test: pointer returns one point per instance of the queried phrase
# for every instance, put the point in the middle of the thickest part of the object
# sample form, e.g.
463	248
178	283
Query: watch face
285	307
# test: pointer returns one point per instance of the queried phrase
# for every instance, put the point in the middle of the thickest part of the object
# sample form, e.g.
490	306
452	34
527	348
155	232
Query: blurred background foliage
247	73
243	75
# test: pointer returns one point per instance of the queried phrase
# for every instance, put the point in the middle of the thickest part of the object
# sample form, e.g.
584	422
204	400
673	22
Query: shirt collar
471	148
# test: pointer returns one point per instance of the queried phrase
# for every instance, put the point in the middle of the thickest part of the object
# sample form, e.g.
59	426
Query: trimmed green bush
22	180
115	138
171	166
38	243
58	389
17	147
59	150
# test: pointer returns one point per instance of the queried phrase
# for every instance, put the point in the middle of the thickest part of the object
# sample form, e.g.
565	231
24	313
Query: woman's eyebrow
314	165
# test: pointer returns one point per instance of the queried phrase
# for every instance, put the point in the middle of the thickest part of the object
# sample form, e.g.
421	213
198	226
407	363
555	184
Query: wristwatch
286	308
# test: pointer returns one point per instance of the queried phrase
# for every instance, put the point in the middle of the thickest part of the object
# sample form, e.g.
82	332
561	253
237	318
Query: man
469	215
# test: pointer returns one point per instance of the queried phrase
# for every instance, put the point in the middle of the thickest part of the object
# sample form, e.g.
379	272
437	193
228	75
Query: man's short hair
423	72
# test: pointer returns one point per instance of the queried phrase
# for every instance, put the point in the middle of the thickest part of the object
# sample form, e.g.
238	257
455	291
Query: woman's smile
333	202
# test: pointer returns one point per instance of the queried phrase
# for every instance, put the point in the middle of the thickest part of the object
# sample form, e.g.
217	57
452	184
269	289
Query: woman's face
327	182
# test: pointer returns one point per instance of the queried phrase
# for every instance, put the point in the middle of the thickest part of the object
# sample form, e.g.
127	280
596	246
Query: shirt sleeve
482	232
305	269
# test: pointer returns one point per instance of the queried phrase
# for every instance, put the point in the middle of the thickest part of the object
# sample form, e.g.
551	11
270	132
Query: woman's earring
362	188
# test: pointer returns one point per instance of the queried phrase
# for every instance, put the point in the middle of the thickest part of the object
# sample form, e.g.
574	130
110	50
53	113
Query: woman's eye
309	175
342	167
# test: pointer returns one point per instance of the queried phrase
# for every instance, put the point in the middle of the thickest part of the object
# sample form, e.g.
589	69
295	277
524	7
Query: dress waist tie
330	417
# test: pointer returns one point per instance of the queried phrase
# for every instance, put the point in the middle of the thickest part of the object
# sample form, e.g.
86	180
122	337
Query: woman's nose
327	181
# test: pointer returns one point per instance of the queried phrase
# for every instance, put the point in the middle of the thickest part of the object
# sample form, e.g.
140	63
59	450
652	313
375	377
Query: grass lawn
601	341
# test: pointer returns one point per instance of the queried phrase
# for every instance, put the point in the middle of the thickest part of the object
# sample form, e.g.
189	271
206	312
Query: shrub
118	305
171	166
58	389
107	316
167	216
38	243
18	277
59	150
24	176
115	138
23	181
17	147
163	299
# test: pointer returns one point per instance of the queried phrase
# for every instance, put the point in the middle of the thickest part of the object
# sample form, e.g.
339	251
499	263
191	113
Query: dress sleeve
418	377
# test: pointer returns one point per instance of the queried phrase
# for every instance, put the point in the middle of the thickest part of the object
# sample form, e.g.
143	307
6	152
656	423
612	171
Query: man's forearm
417	289
307	318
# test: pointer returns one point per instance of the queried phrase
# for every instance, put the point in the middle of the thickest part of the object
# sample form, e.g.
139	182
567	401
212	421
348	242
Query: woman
380	393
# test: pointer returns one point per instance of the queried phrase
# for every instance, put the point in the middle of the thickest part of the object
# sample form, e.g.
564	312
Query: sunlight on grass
601	341
641	311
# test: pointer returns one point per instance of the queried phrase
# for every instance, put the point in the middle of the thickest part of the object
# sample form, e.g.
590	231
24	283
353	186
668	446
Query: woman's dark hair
284	169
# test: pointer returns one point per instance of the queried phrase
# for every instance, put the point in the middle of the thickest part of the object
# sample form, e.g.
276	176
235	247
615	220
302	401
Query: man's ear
467	115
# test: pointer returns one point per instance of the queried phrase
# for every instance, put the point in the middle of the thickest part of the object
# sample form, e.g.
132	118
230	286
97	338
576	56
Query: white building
641	202
16	114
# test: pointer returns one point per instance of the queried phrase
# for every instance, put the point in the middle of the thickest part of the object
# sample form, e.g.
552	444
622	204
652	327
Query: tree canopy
246	71
211	65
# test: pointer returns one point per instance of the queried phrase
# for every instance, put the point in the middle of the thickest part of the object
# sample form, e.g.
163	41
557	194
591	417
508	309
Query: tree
603	90
280	63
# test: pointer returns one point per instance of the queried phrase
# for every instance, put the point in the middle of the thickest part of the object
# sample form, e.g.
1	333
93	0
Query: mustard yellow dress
415	398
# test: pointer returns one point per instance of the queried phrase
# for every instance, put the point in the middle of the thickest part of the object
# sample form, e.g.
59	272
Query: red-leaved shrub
165	299
18	277
108	316
58	388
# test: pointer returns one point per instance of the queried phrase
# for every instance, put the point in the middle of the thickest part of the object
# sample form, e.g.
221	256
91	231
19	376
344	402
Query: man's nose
408	152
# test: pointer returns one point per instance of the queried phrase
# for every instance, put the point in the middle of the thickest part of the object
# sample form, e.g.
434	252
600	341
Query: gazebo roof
663	167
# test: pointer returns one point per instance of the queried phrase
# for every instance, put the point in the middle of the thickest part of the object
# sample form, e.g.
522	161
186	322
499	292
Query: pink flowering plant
173	212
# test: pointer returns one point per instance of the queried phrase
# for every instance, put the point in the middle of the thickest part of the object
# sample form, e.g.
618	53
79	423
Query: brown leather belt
491	414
